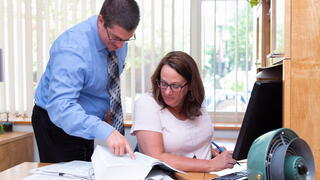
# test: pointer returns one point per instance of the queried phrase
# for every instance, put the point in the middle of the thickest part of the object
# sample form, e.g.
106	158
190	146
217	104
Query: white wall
132	139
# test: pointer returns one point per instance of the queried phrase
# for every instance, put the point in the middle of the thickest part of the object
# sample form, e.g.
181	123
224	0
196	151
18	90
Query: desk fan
280	155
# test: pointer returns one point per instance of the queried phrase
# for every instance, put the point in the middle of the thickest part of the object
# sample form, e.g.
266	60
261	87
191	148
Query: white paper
107	166
236	168
73	169
47	177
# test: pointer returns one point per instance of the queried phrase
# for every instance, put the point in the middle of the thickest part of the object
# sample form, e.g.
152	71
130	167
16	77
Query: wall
132	139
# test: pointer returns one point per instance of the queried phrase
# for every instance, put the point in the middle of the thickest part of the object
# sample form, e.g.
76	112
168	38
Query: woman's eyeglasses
174	87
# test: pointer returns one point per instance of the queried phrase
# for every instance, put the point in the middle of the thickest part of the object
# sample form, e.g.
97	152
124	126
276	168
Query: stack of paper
63	171
106	166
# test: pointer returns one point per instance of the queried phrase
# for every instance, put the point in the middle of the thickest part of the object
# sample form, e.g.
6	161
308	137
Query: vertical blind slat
10	60
84	10
133	77
93	7
28	54
236	54
74	14
39	36
172	25
18	66
56	18
215	50
46	35
2	24
183	19
162	27
63	15
246	56
142	76
195	31
2	88
153	56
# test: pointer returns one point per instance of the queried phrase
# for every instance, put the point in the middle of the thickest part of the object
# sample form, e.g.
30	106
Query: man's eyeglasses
113	37
174	87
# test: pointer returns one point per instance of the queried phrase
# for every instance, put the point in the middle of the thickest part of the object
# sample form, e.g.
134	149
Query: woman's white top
187	138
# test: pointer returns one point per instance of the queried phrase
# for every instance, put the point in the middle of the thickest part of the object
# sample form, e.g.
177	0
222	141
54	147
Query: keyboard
241	175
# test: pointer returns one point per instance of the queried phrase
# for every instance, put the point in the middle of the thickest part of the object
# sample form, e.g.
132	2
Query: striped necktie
114	91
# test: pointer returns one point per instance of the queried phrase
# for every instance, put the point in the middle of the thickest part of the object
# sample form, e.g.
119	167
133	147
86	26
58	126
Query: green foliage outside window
253	2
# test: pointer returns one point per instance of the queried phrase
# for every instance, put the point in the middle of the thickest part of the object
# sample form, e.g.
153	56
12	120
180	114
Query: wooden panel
287	27
15	148
305	73
286	93
265	27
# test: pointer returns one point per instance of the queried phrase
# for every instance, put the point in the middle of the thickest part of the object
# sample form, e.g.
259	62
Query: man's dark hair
124	13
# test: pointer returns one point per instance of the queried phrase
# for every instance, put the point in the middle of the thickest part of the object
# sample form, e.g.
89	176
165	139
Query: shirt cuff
102	131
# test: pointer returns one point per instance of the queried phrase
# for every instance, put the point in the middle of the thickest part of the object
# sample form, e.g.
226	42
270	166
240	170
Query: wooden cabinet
270	33
301	66
302	73
15	148
262	38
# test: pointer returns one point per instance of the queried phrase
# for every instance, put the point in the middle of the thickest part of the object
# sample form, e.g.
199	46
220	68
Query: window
227	63
164	26
217	33
30	27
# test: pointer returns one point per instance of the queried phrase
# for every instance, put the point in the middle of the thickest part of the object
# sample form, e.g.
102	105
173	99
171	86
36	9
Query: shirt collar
94	24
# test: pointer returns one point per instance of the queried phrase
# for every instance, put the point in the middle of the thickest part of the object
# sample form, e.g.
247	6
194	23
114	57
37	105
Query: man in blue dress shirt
72	96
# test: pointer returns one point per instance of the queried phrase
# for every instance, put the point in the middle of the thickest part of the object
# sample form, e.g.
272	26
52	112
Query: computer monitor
263	114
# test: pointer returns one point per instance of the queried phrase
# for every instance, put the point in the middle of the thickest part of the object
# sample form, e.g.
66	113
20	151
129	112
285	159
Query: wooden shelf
15	148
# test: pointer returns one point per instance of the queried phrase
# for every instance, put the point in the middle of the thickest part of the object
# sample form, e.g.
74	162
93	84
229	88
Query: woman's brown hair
184	65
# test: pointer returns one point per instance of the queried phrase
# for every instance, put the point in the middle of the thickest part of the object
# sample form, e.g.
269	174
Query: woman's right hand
222	161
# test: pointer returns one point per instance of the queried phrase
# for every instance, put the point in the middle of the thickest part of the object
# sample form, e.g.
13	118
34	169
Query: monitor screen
263	114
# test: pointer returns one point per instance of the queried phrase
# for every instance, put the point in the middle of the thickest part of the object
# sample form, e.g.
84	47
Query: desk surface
21	171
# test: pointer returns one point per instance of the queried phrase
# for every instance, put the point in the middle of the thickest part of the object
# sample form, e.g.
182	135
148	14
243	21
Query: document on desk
236	168
63	171
107	166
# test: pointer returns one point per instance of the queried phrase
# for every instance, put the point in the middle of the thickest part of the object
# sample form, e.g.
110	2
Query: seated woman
171	124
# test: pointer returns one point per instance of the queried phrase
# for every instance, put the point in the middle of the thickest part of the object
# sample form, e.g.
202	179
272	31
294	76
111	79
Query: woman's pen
222	150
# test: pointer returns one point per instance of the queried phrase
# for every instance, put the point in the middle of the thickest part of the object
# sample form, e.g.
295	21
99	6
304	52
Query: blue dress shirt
74	86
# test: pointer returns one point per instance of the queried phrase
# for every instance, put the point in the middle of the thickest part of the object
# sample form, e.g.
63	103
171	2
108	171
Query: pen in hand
222	150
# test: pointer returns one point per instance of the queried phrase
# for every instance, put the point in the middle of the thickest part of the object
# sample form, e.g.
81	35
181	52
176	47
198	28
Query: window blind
193	26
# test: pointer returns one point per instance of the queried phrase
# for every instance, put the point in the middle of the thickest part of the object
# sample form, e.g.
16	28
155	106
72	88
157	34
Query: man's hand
107	118
119	145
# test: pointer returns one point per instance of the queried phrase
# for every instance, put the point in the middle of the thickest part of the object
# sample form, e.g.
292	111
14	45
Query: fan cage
280	139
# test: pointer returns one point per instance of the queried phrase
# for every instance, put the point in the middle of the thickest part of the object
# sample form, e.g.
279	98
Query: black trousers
54	144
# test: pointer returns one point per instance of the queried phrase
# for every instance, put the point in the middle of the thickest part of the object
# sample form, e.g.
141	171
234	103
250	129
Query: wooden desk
22	170
194	176
15	148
